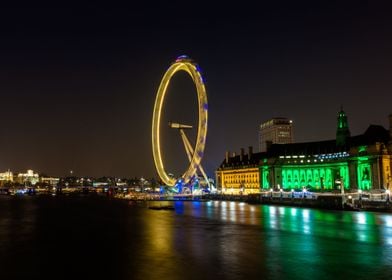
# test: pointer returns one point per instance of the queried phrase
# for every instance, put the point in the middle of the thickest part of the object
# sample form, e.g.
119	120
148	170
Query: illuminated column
386	171
375	178
377	166
352	175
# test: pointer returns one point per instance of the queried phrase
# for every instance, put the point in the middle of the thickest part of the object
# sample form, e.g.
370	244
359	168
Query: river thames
88	237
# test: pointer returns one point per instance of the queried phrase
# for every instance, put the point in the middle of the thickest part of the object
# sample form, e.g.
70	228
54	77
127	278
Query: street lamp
271	192
388	192
340	182
360	198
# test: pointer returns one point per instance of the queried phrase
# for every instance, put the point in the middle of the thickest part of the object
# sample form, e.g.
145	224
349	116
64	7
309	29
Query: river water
43	237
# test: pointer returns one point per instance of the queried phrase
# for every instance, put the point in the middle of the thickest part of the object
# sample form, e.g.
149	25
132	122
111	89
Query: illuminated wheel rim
182	63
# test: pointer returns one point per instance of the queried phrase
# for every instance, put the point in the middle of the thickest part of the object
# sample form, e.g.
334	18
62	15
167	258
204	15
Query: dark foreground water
98	238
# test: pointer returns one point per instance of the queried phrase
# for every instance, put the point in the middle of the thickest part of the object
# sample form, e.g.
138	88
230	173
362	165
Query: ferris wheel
195	154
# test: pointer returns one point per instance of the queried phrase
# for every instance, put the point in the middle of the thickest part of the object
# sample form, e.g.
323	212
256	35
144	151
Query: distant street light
142	184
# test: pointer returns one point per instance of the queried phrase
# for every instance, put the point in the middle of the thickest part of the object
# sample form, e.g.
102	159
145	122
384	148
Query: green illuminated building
354	162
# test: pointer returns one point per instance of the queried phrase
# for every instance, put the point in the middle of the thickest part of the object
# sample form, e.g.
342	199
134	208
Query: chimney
268	144
242	154
250	152
390	127
227	156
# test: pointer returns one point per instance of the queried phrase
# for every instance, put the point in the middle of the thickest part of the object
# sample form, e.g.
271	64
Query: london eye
195	154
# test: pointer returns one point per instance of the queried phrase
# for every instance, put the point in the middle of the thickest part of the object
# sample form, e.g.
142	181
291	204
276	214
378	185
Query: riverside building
352	162
240	174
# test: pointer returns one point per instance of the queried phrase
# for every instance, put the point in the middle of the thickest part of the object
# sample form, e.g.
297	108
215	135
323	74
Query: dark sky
77	84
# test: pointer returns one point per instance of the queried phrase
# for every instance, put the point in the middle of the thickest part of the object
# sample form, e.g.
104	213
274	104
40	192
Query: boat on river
161	207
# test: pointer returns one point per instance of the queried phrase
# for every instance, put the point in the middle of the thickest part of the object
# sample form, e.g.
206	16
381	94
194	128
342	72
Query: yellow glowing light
187	65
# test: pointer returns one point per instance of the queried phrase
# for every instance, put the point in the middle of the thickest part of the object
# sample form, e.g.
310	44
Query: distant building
6	177
28	177
51	181
275	131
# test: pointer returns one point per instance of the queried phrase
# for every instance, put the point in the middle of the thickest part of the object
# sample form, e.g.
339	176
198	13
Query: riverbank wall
331	202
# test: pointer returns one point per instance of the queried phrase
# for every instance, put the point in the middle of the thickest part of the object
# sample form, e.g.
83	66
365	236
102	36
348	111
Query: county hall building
356	162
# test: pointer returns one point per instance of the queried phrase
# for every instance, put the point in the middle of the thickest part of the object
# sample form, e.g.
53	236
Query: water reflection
353	226
208	240
387	229
302	241
17	223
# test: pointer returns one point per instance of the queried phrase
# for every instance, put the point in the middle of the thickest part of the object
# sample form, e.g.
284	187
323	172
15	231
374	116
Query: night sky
78	85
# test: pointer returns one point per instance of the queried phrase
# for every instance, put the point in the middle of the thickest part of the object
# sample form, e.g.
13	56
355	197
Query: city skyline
78	85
